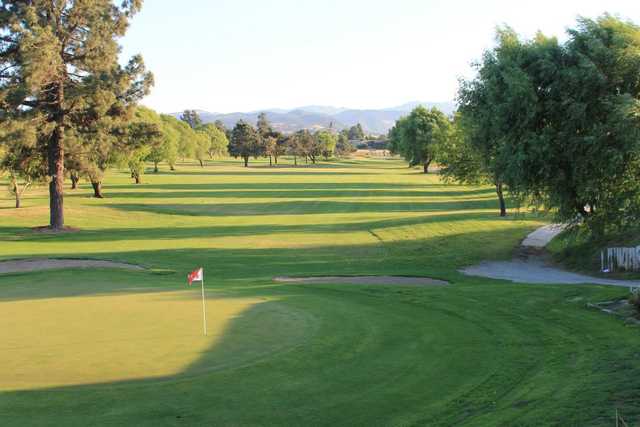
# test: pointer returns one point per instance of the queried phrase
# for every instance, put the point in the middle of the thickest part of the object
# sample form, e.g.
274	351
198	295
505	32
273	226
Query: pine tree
52	53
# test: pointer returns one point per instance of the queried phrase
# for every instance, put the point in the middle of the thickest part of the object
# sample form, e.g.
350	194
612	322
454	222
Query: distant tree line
263	141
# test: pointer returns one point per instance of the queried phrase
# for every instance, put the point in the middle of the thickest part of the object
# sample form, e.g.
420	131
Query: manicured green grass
111	347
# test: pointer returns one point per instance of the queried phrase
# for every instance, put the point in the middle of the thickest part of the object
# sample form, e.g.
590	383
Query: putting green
114	347
114	338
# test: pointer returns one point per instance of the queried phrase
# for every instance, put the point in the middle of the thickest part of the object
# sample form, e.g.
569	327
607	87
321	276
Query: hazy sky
241	55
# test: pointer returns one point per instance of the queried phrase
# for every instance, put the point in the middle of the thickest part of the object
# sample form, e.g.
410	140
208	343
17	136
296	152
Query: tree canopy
245	142
418	136
356	133
559	123
217	142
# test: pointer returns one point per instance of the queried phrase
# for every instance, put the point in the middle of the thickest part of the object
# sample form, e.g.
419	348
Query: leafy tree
281	147
470	161
270	145
304	144
192	118
217	140
51	54
326	142
418	136
99	122
136	162
587	140
202	144
295	146
220	125
20	158
343	145
142	135
263	126
268	138
356	133
559	122
489	108
245	142
74	165
171	139
185	136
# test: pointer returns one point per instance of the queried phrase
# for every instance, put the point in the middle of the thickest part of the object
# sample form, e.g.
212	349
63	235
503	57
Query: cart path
535	269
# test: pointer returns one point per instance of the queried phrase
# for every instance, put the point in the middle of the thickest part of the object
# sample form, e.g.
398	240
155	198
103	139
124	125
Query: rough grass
577	250
109	347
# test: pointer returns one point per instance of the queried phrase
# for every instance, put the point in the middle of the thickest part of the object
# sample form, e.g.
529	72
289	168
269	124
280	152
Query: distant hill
316	117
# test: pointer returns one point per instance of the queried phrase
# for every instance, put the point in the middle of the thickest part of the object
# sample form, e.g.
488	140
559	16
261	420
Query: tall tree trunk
55	157
270	161
295	160
275	158
201	163
16	191
426	166
97	189
246	161
155	167
75	178
503	206
136	177
172	167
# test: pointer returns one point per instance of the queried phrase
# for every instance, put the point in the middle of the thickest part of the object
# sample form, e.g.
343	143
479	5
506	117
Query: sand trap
25	265
364	280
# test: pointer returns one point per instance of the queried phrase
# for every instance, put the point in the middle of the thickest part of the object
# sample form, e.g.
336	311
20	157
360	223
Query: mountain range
316	117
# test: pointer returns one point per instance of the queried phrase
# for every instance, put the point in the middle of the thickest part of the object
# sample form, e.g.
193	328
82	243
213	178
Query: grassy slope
577	251
126	346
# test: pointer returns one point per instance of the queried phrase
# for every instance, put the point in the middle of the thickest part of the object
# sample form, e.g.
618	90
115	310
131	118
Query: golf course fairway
114	347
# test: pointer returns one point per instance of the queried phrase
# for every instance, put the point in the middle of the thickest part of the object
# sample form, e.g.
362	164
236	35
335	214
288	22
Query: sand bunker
364	280
25	265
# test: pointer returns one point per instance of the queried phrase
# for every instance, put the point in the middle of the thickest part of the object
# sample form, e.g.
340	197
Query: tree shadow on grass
272	186
273	172
303	207
177	233
438	257
303	193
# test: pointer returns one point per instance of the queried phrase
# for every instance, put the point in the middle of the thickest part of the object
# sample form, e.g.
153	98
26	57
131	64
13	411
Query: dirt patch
364	280
26	265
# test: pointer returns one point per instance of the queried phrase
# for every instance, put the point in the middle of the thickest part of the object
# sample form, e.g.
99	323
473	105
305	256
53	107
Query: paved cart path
535	269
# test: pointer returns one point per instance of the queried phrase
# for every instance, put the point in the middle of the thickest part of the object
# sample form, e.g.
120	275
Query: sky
246	55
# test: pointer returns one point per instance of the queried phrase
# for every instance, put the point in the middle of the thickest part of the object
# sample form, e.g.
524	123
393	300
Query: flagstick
204	310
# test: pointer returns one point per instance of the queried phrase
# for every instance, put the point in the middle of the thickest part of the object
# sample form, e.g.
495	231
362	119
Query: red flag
195	275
